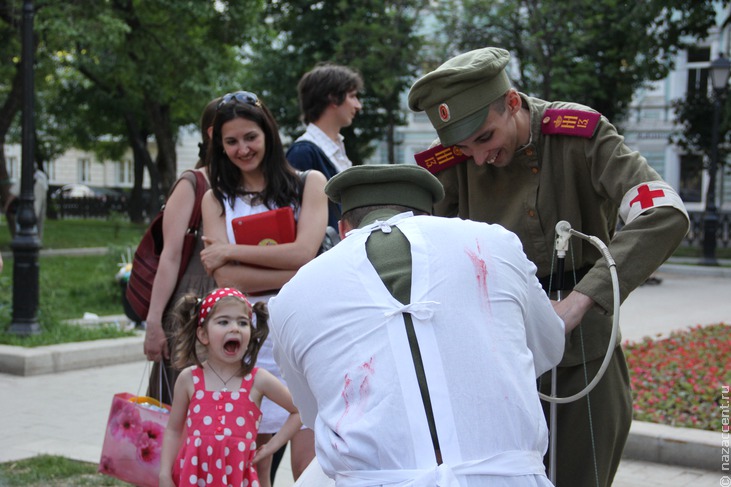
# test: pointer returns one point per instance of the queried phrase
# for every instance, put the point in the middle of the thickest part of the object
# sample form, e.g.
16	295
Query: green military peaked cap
398	184
456	96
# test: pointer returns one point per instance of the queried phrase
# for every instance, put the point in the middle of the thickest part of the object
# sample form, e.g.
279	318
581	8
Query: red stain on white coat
480	272
356	398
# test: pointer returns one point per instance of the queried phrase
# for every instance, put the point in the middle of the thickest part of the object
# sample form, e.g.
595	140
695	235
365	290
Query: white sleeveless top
273	416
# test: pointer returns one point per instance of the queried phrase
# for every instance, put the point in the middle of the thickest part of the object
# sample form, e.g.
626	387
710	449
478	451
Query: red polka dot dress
221	437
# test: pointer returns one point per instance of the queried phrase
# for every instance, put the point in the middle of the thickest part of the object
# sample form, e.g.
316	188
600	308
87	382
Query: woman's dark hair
185	319
259	333
209	113
325	84
283	186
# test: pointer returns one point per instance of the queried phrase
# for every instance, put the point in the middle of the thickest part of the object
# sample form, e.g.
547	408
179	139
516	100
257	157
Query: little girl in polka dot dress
211	433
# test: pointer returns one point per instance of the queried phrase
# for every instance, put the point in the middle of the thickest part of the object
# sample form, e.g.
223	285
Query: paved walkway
66	413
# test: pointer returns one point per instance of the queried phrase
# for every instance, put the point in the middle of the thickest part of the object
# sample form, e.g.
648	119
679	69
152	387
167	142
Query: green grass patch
52	471
63	333
68	287
71	286
69	234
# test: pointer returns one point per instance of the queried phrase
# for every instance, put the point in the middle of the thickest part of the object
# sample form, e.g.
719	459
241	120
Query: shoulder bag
147	255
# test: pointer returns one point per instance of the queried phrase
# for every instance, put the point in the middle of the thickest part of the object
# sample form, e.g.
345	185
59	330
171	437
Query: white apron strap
505	464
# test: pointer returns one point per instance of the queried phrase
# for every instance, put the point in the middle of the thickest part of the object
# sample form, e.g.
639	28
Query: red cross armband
439	158
648	195
578	123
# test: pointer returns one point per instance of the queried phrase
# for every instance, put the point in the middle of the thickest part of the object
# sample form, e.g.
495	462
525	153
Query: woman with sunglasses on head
250	175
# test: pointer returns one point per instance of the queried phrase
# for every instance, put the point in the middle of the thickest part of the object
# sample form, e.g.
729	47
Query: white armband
648	195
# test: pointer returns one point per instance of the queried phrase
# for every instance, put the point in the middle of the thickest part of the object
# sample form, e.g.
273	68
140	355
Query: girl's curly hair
184	319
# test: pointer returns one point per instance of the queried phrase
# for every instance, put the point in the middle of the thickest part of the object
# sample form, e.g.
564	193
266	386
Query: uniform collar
536	107
382	214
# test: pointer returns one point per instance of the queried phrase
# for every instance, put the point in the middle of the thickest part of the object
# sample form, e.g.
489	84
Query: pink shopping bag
133	440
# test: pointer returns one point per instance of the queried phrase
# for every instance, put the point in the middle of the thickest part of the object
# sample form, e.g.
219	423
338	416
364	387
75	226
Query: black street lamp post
26	244
720	69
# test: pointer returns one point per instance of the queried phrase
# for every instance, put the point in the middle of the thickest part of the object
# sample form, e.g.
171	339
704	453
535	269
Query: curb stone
669	445
62	357
70	356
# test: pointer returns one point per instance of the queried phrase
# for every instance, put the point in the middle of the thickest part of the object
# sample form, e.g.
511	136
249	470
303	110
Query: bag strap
200	189
333	208
303	178
163	375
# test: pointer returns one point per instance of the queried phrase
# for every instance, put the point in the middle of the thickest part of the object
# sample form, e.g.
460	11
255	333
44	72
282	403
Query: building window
656	160
13	168
124	172
698	59
691	178
51	170
84	170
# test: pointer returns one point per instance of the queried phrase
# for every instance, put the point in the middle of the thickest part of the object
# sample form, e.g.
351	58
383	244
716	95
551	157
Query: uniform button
531	213
546	119
529	151
534	170
219	429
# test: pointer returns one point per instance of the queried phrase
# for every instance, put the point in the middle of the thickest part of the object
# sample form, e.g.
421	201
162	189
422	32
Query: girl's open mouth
232	346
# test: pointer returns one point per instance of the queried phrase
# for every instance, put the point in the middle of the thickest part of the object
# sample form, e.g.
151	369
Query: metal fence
695	234
61	207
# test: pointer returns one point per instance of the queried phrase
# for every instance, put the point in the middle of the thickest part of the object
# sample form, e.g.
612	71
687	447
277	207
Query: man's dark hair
325	84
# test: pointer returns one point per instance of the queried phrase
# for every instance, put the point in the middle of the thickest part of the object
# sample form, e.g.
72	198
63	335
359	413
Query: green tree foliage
129	73
694	115
375	37
595	52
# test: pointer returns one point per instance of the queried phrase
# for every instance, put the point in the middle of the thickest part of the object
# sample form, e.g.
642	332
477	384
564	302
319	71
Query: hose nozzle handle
563	234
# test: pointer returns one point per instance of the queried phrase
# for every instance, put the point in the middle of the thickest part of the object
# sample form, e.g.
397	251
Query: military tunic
586	180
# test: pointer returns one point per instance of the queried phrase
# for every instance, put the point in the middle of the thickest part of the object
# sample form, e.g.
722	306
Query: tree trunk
166	160
8	111
142	160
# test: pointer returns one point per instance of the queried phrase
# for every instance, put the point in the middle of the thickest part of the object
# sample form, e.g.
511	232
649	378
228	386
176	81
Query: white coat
485	328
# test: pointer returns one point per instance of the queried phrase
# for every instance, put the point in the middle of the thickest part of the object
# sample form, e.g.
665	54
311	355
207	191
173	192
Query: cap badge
444	112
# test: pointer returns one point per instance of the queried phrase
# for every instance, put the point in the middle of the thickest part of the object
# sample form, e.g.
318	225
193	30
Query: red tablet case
267	228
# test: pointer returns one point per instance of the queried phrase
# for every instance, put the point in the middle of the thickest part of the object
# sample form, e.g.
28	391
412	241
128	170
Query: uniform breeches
593	430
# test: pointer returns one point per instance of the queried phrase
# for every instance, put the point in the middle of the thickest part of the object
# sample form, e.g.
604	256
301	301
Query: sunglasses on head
245	97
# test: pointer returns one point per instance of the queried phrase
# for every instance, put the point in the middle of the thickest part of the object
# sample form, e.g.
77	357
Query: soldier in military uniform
529	164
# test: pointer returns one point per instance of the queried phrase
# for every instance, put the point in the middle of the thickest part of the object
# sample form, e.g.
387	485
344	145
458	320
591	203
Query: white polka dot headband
215	296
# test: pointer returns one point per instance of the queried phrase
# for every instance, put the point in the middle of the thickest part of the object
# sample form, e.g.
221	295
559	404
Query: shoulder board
439	158
578	123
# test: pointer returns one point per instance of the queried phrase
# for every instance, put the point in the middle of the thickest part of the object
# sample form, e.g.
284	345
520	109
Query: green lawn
68	234
51	471
72	286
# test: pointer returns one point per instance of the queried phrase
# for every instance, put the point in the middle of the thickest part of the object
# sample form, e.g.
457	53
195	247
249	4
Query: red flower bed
678	380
